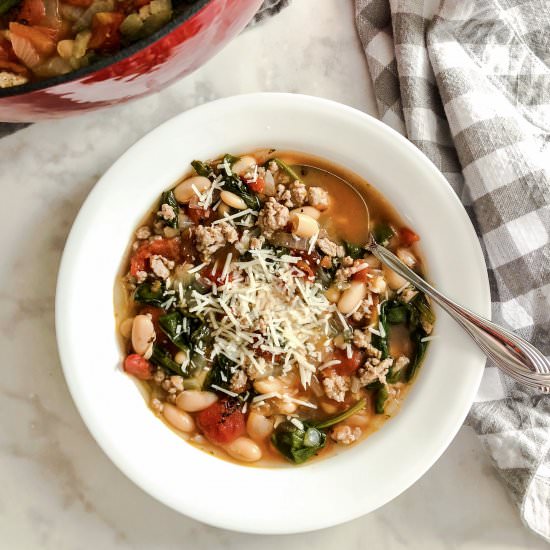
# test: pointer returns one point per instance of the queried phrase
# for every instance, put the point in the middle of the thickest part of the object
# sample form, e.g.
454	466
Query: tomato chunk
222	422
257	186
138	366
32	12
305	268
348	365
105	31
362	275
169	248
408	236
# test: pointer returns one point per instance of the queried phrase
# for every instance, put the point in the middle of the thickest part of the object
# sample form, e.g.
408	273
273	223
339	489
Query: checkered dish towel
468	82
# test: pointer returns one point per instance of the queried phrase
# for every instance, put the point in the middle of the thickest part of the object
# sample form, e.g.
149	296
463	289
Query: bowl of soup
241	331
63	57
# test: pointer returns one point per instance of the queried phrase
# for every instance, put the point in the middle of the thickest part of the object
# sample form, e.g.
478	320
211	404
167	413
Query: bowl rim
63	297
185	14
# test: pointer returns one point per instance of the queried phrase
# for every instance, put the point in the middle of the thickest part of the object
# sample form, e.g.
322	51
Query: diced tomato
138	366
38	37
257	186
303	266
105	31
222	422
348	365
362	275
216	277
196	212
408	236
169	248
32	12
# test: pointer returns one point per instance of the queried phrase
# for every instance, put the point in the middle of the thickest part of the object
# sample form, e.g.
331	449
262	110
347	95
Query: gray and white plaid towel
468	82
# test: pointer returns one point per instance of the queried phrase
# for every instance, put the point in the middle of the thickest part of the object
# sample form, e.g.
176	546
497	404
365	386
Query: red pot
196	33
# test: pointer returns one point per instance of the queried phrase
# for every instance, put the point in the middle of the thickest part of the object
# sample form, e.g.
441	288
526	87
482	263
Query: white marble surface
58	490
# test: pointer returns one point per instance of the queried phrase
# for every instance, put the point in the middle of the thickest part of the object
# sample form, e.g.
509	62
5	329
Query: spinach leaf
397	313
381	342
298	444
169	199
325	275
177	328
220	374
230	159
6	5
286	168
354	250
162	358
382	234
150	293
380	398
201	168
235	185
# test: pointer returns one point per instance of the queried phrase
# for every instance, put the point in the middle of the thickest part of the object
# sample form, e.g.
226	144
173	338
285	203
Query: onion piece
287	240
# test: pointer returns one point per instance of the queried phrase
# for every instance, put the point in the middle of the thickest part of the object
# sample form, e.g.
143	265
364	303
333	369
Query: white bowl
257	500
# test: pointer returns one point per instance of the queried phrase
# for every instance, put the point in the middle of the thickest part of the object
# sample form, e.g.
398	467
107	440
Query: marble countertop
59	491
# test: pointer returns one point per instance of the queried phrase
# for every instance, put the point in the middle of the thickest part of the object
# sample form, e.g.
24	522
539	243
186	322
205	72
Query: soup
46	38
262	329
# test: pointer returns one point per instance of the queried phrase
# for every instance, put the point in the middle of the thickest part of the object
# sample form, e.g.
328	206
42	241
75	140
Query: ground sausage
210	239
318	197
273	216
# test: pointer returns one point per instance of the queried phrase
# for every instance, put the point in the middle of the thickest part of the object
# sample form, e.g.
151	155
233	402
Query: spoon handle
514	355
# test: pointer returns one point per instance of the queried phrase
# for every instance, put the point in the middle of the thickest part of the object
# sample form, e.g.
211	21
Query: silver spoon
511	353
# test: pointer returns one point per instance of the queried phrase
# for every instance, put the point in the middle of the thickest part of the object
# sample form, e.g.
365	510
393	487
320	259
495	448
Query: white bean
372	261
243	165
258	426
143	334
223	209
332	294
244	449
285	407
178	418
351	297
308	211
182	358
268	385
406	256
394	280
184	192
233	200
303	225
195	400
125	327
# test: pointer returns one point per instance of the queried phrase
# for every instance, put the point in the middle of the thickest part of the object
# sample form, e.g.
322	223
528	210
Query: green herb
201	168
150	293
235	185
342	416
298	443
162	358
220	374
380	398
286	168
382	234
354	250
6	5
169	199
381	342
